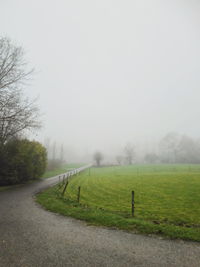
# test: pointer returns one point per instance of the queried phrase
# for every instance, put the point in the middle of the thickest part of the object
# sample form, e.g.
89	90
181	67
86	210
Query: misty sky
110	72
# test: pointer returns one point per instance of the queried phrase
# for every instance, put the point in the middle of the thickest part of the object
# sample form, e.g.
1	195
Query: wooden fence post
63	192
132	204
60	184
78	196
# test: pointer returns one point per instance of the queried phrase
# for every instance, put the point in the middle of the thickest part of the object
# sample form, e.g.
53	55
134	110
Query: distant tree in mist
169	147
175	148
47	144
98	157
188	150
62	153
54	151
151	158
55	157
119	159
129	152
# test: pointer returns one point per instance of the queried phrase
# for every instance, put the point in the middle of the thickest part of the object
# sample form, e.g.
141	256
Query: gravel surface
31	236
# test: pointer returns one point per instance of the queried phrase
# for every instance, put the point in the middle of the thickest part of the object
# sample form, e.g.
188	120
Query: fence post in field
132	203
63	192
60	184
78	195
63	179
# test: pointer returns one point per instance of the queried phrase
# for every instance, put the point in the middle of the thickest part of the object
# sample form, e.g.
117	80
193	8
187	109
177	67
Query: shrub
21	160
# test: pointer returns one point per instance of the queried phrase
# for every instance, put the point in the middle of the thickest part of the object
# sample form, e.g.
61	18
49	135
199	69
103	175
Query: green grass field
167	199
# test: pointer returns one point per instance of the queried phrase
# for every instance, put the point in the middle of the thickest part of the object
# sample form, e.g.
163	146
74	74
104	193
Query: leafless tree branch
16	112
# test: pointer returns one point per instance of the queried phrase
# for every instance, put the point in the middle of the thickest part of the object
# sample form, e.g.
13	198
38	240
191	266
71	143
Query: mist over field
110	73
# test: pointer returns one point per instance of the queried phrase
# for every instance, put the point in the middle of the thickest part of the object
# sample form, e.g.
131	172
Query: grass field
167	199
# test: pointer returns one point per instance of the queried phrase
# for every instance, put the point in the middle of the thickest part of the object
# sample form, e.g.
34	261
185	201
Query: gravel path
31	236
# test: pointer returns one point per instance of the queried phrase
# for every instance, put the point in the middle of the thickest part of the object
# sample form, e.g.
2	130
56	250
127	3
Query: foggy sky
110	72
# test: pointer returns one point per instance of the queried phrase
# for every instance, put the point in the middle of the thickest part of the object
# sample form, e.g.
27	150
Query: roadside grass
5	188
167	199
60	170
47	174
10	187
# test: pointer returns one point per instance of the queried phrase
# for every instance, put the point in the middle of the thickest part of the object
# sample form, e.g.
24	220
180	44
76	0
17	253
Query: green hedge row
21	160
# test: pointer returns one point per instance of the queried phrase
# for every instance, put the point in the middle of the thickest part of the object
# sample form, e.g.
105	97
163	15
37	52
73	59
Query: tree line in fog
173	148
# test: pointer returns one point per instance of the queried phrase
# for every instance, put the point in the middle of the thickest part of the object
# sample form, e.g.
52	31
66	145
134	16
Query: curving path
31	236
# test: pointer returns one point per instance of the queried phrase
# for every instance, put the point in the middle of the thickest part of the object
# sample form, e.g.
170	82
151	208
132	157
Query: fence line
65	176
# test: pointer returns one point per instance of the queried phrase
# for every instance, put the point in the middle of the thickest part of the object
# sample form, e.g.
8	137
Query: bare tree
129	151
188	150
119	159
62	153
151	158
17	113
169	147
98	156
54	151
47	144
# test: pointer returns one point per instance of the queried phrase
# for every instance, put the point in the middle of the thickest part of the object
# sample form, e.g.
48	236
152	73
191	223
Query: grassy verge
10	187
47	174
60	170
5	188
167	199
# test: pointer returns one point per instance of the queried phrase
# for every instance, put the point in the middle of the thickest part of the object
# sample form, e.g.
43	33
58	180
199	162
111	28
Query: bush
21	160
